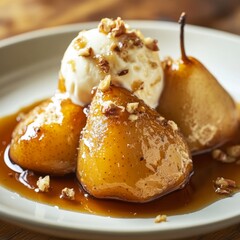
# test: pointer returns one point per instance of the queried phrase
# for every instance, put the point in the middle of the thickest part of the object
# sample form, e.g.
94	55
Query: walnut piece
160	218
161	119
68	193
132	107
103	64
80	43
173	125
129	40
110	108
224	182
104	85
43	184
224	186
116	27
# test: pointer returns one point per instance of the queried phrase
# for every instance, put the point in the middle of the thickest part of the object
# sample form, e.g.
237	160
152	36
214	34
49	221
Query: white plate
29	67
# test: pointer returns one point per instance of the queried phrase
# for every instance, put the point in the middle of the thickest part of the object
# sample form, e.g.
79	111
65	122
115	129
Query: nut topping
68	193
103	64
160	218
80	43
110	108
173	125
43	184
116	27
104	85
132	107
224	186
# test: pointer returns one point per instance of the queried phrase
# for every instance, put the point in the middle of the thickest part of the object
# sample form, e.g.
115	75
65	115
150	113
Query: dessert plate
29	66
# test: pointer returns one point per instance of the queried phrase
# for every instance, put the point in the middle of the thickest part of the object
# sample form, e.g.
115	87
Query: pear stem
182	21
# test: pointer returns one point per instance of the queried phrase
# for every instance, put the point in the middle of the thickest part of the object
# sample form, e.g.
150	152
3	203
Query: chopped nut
68	193
161	118
104	85
131	107
224	182
73	65
86	52
43	184
133	117
221	156
110	108
129	40
106	25
114	47
80	43
160	218
234	151
151	44
103	64
225	191
173	125
116	27
120	28
123	72
224	185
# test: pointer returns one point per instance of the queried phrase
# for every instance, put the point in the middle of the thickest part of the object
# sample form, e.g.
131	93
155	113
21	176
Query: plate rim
75	27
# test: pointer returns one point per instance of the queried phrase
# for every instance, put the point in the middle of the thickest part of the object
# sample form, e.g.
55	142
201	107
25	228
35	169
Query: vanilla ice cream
112	49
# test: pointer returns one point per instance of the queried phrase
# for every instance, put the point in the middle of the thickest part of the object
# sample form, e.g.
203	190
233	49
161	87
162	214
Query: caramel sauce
197	194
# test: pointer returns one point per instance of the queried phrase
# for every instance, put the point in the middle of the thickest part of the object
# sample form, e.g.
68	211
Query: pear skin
46	140
128	151
192	97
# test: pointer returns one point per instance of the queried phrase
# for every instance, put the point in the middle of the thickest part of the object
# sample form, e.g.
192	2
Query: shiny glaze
133	160
196	195
53	130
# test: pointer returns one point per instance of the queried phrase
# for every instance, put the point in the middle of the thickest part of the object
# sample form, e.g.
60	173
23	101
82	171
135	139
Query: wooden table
18	16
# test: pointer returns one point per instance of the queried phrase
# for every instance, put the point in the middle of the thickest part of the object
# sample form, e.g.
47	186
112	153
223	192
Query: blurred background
18	16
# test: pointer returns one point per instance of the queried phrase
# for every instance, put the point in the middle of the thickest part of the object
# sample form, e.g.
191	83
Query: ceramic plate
29	66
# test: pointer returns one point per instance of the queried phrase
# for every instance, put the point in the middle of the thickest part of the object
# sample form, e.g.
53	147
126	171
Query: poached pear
128	151
193	98
47	138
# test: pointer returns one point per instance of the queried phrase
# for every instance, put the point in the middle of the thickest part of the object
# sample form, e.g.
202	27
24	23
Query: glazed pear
128	151
193	98
46	140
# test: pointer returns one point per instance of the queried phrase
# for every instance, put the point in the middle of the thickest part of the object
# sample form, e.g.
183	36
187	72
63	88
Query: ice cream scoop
112	49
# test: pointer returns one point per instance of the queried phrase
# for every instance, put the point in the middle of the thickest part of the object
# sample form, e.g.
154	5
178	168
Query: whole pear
193	98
